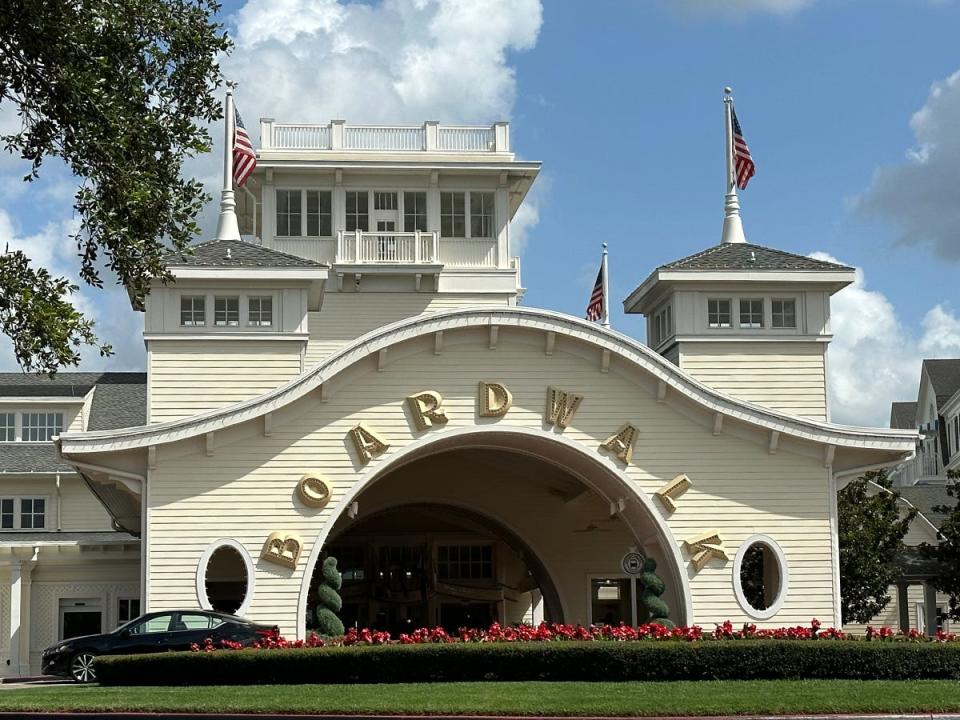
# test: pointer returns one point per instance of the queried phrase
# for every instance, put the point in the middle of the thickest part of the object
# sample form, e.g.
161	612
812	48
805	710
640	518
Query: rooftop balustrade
429	137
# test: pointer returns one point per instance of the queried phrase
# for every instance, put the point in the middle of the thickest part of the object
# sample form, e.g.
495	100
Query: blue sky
621	100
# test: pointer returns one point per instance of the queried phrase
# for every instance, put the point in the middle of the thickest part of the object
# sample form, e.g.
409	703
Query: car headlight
61	648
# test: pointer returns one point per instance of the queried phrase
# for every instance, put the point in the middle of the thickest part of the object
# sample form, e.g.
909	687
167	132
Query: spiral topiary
657	610
328	599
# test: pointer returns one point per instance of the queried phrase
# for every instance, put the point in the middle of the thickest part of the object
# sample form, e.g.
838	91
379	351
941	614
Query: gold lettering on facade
282	549
621	443
561	407
313	491
494	399
367	443
703	547
426	409
672	490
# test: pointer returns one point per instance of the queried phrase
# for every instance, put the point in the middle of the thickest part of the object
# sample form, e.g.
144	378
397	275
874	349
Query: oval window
760	576
226	580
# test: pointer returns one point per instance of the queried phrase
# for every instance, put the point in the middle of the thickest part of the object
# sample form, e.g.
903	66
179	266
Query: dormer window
751	313
662	325
8	427
226	311
40	426
784	314
718	313
260	311
193	310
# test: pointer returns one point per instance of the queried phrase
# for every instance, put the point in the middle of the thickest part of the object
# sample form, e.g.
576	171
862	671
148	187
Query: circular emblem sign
632	563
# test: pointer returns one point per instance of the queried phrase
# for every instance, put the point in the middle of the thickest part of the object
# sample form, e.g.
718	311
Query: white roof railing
429	137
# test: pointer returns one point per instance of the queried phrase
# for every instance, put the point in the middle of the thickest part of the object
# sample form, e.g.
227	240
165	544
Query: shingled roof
746	256
119	401
925	497
944	376
903	416
237	254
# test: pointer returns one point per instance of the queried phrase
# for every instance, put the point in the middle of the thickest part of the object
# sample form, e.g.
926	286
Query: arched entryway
572	510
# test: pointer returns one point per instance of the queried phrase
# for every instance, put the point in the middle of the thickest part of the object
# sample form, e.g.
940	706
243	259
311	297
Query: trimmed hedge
587	661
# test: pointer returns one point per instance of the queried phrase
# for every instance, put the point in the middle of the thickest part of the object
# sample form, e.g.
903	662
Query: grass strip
509	698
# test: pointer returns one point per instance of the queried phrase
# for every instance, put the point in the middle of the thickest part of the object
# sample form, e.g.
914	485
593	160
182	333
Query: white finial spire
732	225
227	227
605	320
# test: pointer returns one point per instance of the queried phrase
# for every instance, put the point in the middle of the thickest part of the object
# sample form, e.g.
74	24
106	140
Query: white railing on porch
429	137
388	248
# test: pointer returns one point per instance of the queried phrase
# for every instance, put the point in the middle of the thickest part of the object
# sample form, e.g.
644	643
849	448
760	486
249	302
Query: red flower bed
556	632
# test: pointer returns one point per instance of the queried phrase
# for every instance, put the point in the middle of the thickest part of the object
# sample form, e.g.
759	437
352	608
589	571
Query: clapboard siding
347	316
784	376
194	376
246	490
79	509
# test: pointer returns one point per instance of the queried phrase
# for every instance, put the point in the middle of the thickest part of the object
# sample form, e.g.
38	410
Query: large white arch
598	472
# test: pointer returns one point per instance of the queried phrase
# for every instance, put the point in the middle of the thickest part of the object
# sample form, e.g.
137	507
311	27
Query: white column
433	203
501	215
16	569
20	585
536	598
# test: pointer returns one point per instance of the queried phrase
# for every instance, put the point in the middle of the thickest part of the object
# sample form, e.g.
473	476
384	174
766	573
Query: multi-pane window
319	213
8	427
465	562
751	313
260	310
193	310
358	210
481	214
414	211
784	313
662	325
384	201
226	311
127	609
32	513
718	313
40	426
453	214
289	208
23	513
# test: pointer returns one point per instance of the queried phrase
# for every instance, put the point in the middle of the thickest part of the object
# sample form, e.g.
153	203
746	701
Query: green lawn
636	698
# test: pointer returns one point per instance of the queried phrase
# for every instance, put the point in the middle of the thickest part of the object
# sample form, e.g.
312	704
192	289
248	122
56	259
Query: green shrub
589	661
328	599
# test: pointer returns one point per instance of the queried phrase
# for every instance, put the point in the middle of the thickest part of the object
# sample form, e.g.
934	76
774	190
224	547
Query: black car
153	632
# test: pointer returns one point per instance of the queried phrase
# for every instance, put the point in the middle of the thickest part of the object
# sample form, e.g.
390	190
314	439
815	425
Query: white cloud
740	8
116	323
921	195
874	359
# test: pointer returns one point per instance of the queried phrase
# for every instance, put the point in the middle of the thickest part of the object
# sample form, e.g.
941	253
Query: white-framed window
193	310
225	577
414	211
358	210
319	213
718	313
304	213
760	576
127	610
8	427
662	324
465	562
23	513
384	200
226	310
453	214
289	212
260	310
751	312
481	214
40	426
784	313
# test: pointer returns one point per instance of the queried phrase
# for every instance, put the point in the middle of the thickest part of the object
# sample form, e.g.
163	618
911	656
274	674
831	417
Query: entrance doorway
80	617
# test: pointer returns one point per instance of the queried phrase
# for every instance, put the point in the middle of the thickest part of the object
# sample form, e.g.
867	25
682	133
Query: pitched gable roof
746	256
237	254
944	376
903	415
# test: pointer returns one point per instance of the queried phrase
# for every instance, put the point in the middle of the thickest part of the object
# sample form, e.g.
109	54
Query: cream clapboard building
361	380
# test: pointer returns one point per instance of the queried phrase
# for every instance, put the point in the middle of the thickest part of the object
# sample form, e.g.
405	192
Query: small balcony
387	248
431	137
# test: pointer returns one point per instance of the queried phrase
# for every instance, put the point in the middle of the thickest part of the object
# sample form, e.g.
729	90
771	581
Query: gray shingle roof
119	401
94	537
944	376
903	415
925	497
746	256
237	254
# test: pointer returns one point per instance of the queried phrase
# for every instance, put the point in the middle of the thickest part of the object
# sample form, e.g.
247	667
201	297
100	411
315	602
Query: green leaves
871	532
122	93
947	552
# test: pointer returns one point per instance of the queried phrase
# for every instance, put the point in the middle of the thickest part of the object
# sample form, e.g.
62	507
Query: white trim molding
201	581
783	572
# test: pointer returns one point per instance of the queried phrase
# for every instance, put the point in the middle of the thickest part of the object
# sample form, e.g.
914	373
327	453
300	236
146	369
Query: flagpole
605	322
732	224
227	227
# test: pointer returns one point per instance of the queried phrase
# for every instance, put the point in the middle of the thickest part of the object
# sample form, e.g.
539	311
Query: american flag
595	306
244	158
742	161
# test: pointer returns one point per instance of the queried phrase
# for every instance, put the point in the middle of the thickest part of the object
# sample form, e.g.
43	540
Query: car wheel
81	667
